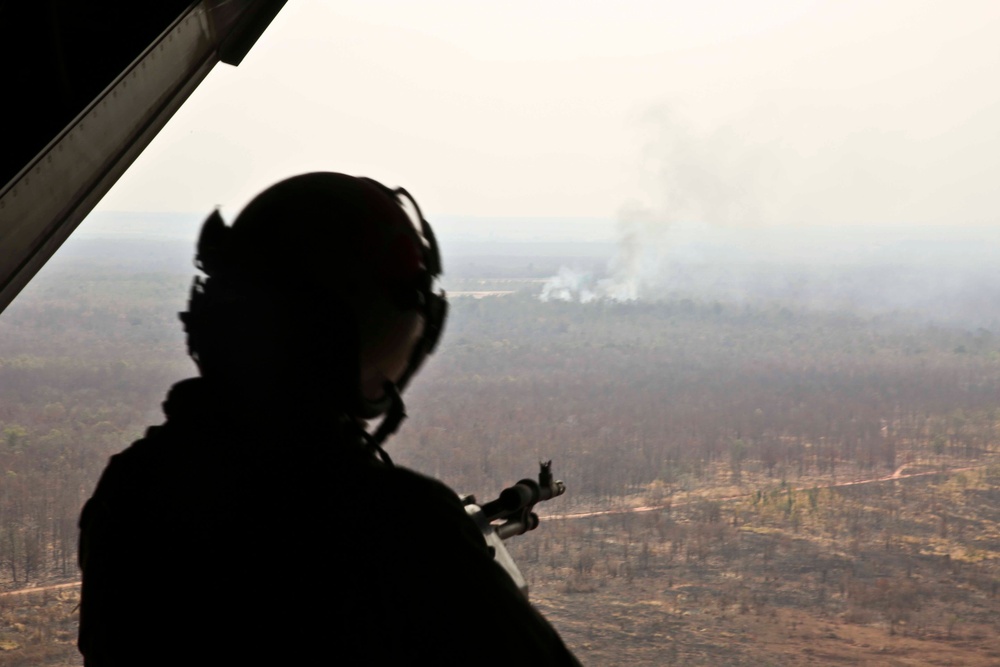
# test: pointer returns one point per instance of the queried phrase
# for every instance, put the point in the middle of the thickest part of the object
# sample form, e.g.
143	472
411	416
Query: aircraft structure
88	86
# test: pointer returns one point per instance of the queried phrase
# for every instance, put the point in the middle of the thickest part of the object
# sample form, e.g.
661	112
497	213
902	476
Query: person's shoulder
440	520
148	451
407	481
153	452
433	559
421	495
389	493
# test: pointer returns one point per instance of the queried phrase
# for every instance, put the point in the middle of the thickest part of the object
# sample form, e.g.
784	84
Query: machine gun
514	508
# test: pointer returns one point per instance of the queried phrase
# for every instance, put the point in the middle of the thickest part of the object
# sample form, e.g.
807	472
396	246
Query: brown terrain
748	485
740	589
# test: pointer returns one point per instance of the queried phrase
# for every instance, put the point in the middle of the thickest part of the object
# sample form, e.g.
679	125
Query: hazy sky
724	111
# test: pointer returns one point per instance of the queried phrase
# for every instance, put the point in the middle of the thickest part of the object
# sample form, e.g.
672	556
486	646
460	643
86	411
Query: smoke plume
692	177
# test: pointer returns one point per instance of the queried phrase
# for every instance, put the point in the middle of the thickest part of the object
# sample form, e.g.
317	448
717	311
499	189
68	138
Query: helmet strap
394	416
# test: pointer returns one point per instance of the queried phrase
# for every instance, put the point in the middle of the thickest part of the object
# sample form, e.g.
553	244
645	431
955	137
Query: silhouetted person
261	524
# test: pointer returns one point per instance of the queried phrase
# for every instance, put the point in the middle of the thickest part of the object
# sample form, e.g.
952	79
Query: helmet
332	272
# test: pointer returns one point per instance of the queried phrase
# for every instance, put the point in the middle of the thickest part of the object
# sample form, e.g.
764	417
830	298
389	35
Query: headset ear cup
310	269
213	244
368	409
193	319
437	312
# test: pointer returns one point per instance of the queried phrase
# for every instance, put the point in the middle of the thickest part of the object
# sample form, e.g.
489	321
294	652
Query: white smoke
631	274
569	285
634	272
711	178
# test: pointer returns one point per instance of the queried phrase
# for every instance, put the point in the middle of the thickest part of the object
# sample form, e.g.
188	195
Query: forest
749	482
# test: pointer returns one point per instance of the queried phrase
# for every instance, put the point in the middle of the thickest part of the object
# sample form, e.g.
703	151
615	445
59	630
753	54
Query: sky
726	112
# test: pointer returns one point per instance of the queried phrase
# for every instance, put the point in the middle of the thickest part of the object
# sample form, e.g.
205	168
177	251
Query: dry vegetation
868	574
39	628
744	426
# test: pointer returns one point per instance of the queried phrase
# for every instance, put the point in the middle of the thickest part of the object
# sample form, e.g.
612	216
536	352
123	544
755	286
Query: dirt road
40	589
896	475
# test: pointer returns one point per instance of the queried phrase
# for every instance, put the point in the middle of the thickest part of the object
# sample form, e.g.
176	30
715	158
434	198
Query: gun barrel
523	495
517	526
514	509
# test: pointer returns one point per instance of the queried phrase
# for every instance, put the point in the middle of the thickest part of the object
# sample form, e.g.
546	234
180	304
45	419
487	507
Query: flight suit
262	539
